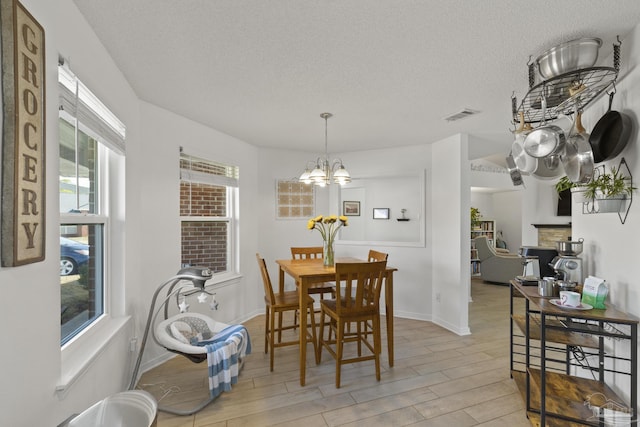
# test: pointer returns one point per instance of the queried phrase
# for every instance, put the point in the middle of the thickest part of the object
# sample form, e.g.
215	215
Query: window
208	198
294	200
91	139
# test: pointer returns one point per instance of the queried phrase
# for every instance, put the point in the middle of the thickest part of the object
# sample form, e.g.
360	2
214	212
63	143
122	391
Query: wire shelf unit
564	94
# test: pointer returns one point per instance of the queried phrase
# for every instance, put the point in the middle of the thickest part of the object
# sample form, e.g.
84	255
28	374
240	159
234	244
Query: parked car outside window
73	254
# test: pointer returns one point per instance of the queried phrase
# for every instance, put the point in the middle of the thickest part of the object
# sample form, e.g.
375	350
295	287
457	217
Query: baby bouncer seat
196	336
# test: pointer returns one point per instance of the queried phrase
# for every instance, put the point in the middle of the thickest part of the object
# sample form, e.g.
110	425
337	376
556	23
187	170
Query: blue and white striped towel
224	352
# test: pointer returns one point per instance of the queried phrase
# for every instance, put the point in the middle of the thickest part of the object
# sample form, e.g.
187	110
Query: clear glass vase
328	253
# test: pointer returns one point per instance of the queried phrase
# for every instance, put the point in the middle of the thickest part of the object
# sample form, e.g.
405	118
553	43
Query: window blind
93	117
203	171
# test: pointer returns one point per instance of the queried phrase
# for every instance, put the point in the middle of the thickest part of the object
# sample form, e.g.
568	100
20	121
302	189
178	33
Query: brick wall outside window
202	200
204	243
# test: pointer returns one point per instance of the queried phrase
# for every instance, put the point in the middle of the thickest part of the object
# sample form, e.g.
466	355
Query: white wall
31	360
412	281
611	248
33	367
276	236
484	203
450	217
155	175
508	218
505	208
397	192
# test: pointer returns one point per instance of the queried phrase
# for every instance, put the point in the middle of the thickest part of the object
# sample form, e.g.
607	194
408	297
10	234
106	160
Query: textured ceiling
389	71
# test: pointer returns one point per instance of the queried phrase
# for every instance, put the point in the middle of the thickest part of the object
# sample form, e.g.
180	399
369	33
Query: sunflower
328	226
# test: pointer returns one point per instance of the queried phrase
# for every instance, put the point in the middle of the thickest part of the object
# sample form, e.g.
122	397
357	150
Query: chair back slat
308	252
266	280
377	256
362	286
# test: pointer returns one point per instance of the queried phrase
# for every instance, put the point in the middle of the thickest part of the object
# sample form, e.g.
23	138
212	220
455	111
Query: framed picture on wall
380	213
350	208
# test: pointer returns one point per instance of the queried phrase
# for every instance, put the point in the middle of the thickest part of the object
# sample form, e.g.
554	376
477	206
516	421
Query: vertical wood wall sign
23	136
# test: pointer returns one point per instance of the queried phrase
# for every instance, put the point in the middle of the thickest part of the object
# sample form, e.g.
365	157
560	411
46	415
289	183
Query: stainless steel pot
544	141
577	158
547	287
524	162
548	167
569	248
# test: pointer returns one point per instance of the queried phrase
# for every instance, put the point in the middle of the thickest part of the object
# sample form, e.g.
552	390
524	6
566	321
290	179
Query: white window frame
232	203
78	352
97	219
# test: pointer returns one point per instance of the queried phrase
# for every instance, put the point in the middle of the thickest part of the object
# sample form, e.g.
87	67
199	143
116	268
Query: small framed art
350	208
380	213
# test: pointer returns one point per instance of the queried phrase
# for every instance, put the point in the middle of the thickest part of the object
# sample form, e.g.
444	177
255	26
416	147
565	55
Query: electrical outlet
133	344
437	296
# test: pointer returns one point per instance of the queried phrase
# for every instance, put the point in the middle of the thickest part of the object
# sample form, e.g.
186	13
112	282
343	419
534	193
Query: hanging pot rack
565	92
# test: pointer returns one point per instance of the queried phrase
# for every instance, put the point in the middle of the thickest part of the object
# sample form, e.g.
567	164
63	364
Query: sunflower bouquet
328	226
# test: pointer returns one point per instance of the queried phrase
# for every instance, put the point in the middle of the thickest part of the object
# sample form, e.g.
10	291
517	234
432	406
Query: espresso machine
567	265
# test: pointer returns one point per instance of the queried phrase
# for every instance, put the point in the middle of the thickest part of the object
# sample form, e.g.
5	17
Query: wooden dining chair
313	252
320	288
363	282
279	303
372	257
377	256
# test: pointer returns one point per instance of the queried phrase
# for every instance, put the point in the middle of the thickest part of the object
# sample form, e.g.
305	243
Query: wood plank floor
439	379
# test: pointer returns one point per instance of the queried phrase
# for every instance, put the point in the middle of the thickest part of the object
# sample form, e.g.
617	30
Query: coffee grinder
567	265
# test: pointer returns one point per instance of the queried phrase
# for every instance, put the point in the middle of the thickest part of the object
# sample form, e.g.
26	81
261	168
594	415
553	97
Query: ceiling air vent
461	115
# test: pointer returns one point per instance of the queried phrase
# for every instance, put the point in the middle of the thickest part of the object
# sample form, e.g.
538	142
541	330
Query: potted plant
564	188
609	190
475	218
563	185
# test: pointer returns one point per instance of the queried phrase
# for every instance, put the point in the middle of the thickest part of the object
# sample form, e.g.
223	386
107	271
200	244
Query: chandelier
322	174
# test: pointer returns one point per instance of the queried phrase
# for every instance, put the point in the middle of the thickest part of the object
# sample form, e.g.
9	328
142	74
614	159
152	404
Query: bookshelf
483	228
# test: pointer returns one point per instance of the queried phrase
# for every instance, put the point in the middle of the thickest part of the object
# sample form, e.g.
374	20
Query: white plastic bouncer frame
198	276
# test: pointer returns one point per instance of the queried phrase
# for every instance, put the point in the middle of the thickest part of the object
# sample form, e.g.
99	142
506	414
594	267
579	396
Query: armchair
497	265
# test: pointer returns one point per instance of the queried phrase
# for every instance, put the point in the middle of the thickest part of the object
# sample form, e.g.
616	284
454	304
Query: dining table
308	271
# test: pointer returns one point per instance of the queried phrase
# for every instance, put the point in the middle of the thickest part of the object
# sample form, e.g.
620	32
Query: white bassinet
176	333
187	334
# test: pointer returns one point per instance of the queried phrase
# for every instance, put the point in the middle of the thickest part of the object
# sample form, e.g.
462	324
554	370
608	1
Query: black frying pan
610	135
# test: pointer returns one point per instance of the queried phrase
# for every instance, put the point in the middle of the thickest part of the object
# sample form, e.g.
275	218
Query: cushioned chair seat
497	266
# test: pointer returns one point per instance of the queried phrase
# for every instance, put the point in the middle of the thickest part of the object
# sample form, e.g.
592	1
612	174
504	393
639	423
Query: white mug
570	298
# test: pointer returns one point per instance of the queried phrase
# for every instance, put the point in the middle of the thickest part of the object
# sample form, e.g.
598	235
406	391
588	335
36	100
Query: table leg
302	303
388	311
281	282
